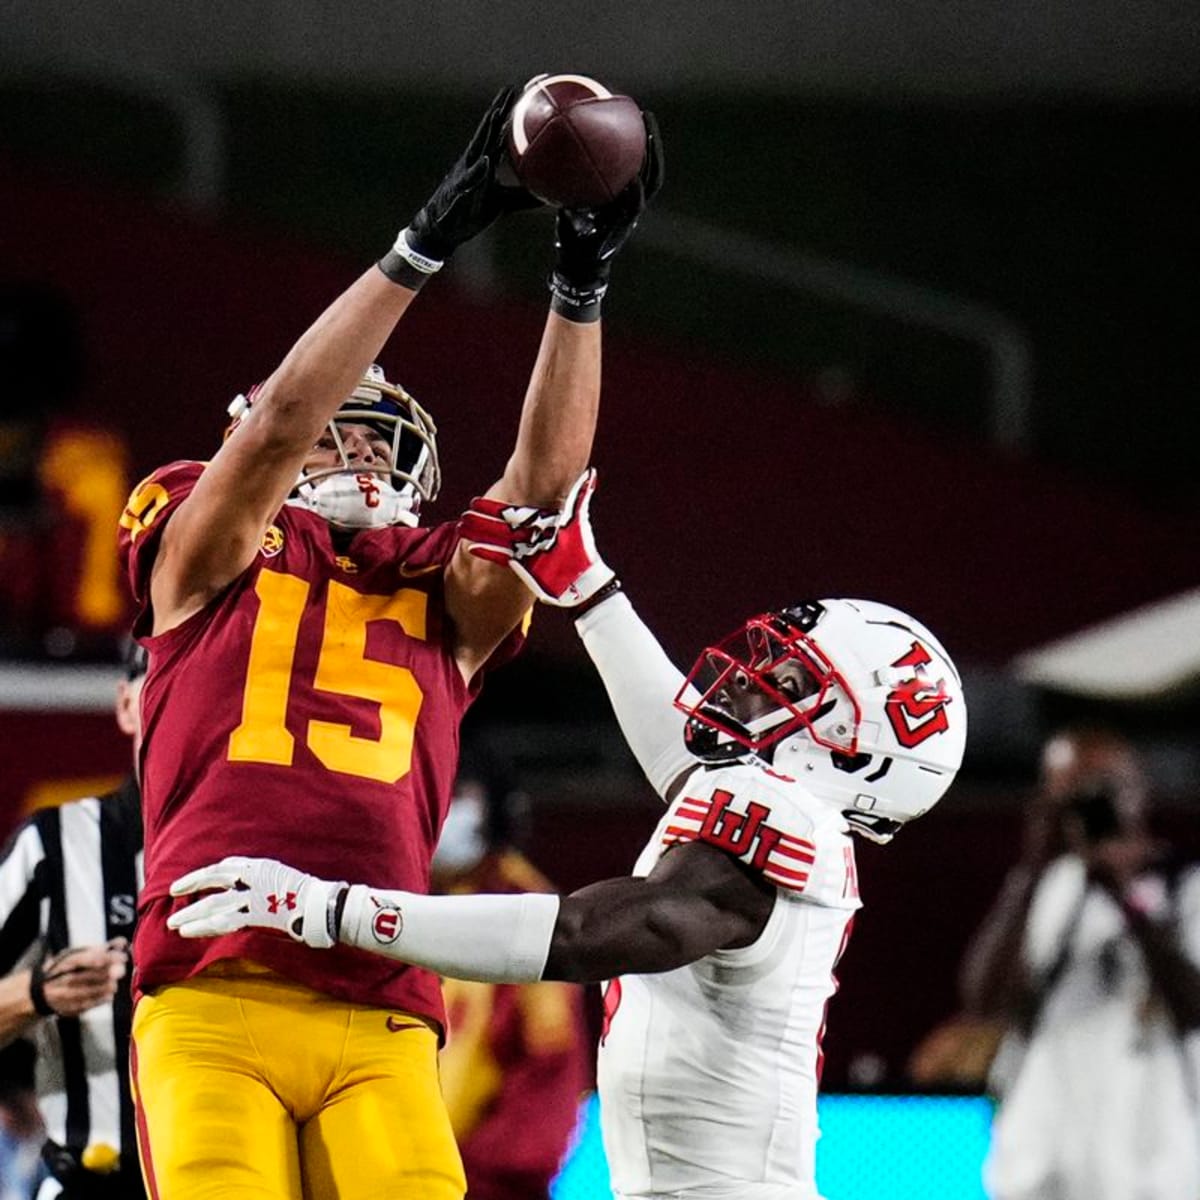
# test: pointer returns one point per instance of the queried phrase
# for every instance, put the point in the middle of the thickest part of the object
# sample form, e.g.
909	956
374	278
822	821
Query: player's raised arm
215	532
554	553
558	418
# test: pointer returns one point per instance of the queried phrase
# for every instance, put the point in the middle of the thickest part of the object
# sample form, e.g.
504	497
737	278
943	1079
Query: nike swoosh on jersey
407	572
396	1024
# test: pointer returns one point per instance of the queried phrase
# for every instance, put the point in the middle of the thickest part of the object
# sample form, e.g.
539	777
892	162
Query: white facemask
364	501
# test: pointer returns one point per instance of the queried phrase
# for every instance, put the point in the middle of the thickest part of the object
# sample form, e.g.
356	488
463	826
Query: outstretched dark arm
696	900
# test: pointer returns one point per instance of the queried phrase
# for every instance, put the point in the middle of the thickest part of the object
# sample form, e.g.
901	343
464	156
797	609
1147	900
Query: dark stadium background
760	441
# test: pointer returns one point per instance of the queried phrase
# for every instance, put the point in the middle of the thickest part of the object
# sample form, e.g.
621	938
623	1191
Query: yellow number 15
342	668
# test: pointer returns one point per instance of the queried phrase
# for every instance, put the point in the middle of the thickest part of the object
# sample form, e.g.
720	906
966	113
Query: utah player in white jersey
806	724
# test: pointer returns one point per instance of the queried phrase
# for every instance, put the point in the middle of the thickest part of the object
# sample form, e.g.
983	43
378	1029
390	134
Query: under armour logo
275	903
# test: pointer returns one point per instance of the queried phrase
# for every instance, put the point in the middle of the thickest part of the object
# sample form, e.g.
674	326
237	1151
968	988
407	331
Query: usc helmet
360	496
856	699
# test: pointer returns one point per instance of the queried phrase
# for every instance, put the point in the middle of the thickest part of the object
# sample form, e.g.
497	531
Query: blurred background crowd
913	319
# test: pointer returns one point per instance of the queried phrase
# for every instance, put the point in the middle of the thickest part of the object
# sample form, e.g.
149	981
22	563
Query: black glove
463	205
587	239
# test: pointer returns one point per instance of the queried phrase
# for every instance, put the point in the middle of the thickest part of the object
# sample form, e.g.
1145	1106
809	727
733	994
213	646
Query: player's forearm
630	926
249	478
610	928
558	419
493	939
17	1013
642	684
329	359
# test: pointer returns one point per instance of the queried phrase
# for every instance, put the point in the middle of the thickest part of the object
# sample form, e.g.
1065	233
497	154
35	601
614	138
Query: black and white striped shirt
70	877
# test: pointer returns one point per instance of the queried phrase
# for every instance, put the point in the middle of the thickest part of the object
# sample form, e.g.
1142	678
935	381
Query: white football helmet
854	698
367	497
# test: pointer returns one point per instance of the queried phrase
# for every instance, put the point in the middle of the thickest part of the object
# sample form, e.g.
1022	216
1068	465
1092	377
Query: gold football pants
249	1085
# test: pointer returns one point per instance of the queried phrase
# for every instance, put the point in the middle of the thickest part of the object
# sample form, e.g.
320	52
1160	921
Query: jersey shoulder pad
147	510
767	821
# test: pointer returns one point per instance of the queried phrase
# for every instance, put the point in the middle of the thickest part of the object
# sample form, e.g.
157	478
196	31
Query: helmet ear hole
850	763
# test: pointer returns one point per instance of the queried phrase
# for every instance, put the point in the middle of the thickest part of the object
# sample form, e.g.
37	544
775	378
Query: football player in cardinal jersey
312	651
808	724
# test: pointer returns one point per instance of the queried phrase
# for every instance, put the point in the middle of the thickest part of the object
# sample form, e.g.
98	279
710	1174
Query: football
572	142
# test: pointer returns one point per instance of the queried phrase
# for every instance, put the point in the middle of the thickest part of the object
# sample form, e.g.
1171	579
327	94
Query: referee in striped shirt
69	881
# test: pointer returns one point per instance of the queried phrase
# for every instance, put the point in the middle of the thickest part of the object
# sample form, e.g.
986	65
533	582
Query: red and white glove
257	893
553	553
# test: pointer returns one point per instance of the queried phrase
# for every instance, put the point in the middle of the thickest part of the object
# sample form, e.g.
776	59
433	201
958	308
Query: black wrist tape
336	911
611	588
581	305
400	270
37	990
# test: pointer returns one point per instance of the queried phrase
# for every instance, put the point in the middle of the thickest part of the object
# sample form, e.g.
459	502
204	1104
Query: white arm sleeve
642	683
494	939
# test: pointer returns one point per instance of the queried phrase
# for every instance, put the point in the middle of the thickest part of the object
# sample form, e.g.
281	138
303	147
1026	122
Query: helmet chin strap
344	499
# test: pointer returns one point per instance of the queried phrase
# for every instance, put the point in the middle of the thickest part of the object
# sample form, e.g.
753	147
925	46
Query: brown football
574	143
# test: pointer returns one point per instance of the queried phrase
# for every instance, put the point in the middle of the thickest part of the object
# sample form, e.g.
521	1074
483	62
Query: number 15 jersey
309	713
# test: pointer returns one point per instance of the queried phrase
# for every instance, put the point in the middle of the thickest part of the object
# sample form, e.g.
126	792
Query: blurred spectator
69	880
517	1059
1090	955
63	483
21	1130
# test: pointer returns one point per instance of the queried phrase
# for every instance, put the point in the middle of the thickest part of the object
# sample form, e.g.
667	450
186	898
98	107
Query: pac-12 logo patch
387	923
272	541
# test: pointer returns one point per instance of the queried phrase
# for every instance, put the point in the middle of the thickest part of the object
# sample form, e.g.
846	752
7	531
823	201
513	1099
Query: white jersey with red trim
708	1074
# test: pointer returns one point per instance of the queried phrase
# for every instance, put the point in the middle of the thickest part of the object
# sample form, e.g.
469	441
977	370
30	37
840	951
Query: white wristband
419	262
494	939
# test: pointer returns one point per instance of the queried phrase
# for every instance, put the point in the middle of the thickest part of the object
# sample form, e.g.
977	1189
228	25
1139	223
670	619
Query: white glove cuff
317	924
419	262
589	583
495	939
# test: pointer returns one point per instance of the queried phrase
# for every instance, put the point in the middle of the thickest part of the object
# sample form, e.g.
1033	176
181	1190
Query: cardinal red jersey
308	713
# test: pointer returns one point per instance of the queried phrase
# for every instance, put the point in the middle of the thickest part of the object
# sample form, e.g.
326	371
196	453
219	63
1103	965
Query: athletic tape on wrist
335	911
37	990
611	588
406	266
581	305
